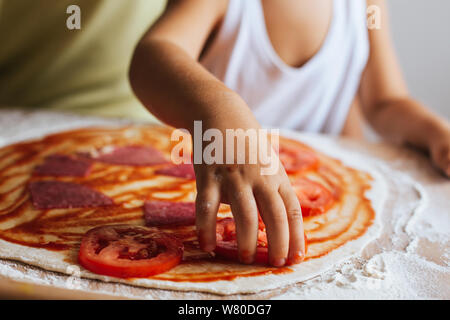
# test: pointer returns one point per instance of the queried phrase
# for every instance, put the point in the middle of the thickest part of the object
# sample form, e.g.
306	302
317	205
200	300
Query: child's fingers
245	214
273	213
447	171
442	159
295	220
206	207
446	163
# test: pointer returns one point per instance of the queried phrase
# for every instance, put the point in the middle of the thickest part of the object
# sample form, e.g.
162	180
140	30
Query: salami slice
62	195
164	213
133	156
60	165
185	171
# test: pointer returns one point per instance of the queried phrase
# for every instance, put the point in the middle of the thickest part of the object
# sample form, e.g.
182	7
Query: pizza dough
352	216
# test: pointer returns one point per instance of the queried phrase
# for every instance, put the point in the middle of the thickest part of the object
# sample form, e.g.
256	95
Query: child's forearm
406	121
177	89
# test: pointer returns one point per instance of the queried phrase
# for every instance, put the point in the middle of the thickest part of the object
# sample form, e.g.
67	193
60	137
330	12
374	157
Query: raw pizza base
54	261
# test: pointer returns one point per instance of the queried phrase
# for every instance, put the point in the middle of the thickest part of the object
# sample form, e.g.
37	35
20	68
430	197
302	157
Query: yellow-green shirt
43	64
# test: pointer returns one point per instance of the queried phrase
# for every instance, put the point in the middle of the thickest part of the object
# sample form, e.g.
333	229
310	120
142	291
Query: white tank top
315	97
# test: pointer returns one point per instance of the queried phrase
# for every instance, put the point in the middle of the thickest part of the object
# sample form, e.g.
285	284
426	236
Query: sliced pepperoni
185	171
60	165
133	156
62	195
165	213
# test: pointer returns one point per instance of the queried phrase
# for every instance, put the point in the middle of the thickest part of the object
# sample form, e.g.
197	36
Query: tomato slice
297	160
127	251
226	243
314	198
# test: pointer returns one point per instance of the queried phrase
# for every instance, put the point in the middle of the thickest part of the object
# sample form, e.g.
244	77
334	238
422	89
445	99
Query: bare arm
167	78
165	74
389	108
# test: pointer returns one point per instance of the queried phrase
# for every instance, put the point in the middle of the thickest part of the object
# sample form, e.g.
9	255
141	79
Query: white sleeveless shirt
315	97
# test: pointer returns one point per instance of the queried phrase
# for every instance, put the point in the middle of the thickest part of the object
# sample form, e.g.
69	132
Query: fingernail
296	258
246	260
204	244
278	262
246	257
208	248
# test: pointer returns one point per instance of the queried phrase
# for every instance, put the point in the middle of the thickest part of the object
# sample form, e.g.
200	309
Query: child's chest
297	28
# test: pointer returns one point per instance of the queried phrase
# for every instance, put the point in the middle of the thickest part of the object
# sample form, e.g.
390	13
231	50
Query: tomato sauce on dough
346	217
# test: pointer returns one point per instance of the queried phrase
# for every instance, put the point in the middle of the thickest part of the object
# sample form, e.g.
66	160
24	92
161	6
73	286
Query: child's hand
244	188
440	150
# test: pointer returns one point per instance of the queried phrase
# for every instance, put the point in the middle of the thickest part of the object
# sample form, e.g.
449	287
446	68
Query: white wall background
421	32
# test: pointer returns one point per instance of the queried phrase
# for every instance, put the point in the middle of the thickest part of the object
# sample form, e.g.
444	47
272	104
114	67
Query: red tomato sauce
63	230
